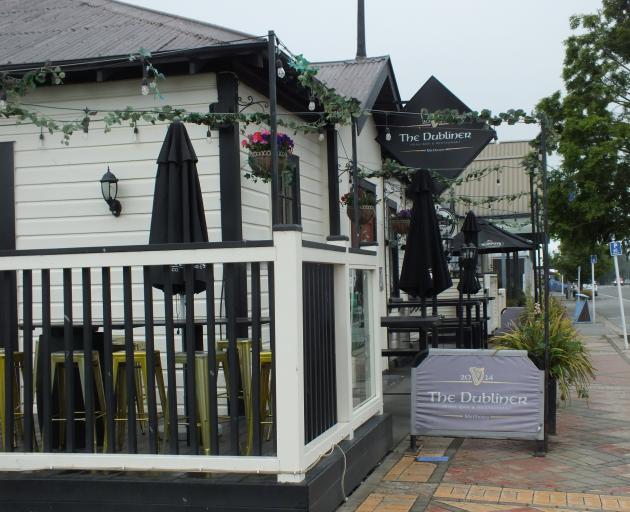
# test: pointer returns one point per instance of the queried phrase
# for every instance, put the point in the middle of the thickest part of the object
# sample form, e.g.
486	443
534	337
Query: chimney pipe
361	30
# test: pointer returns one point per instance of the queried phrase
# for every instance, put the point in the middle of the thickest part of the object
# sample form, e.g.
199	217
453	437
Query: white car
589	286
620	281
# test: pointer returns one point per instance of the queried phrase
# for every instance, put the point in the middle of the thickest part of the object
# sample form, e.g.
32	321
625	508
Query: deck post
289	350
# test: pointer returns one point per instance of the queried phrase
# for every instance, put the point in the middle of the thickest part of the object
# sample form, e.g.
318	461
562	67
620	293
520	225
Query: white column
343	345
289	355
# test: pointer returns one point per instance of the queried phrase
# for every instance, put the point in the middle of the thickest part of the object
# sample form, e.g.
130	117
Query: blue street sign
615	248
593	258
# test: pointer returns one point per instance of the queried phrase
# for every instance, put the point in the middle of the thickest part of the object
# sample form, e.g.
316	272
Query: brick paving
587	468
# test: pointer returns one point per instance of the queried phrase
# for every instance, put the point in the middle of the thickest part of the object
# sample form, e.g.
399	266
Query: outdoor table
407	323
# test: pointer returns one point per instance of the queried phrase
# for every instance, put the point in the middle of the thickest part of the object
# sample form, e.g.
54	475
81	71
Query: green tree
589	196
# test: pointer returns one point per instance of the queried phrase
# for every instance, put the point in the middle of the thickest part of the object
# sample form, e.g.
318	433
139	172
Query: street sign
615	248
593	258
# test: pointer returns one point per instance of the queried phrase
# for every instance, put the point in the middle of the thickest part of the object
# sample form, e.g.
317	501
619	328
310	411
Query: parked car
589	286
620	281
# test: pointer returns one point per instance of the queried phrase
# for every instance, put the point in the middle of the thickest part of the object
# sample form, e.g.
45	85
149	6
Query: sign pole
623	316
579	289
593	260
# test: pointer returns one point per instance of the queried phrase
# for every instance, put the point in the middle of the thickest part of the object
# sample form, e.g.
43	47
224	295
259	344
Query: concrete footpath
587	468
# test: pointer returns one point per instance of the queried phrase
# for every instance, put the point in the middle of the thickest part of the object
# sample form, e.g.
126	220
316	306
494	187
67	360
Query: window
289	197
360	315
368	230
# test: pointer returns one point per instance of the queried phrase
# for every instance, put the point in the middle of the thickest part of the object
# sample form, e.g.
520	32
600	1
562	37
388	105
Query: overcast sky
495	54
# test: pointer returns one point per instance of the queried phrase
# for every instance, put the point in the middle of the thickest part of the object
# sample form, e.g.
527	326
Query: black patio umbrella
178	214
468	282
424	271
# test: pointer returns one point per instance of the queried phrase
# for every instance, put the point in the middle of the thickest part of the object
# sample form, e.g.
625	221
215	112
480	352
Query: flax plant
570	364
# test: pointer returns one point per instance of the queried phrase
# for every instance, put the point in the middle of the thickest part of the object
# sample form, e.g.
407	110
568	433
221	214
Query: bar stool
201	392
18	364
119	360
57	360
266	404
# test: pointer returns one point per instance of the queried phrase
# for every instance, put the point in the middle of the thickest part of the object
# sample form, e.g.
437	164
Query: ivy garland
337	110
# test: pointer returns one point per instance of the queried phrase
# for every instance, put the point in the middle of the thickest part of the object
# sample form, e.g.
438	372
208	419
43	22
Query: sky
495	54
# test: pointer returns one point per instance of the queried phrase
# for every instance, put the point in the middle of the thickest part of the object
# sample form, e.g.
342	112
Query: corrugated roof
34	31
356	78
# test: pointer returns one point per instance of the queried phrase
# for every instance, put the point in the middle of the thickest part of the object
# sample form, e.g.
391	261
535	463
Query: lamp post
467	254
109	189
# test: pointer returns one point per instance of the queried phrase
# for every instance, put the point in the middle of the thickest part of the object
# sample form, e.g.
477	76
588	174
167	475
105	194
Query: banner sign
444	148
477	393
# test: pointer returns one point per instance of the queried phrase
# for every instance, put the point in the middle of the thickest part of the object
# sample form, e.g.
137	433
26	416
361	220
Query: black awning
492	239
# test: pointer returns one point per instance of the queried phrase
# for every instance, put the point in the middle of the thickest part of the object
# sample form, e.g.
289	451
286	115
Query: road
607	303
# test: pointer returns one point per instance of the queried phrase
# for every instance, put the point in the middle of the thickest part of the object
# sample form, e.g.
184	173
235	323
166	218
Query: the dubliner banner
446	149
477	393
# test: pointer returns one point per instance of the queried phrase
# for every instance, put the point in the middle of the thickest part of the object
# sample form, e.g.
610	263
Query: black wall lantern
468	252
109	189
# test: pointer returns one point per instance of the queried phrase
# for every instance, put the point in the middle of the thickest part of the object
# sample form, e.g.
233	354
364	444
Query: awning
493	239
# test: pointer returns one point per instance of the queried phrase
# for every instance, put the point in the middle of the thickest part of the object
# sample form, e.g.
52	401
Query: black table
409	323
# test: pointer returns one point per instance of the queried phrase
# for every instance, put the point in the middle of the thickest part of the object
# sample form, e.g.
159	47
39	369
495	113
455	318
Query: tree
589	196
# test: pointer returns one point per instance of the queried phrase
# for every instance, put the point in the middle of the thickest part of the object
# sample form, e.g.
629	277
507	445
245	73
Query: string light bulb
311	102
144	88
3	99
41	137
208	135
134	133
280	69
388	134
320	137
496	138
337	126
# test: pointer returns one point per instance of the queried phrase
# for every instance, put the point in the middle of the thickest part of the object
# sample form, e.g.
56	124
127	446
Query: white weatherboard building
293	310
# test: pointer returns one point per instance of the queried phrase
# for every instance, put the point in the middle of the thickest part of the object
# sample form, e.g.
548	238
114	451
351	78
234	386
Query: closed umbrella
468	282
424	271
178	215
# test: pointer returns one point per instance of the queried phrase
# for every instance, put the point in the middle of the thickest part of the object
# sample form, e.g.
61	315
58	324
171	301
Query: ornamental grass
570	363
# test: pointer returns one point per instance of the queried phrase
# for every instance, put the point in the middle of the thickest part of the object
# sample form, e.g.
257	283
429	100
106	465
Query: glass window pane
360	302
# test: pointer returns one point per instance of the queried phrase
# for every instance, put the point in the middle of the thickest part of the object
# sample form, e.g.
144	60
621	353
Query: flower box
366	213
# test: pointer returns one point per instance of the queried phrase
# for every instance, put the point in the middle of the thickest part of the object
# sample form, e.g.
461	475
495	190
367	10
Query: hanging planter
260	163
400	222
366	213
400	226
259	158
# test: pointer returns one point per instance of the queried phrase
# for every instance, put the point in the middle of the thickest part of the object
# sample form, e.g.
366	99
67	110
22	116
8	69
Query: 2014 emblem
477	375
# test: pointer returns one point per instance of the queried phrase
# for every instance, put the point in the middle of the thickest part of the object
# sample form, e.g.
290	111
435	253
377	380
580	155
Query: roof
357	78
34	31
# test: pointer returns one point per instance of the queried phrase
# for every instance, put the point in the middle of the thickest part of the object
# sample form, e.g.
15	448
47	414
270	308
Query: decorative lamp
109	189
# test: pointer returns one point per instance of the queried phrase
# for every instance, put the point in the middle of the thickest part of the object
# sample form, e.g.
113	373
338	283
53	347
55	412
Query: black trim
354	250
229	159
236	244
323	247
369	244
333	181
8	280
287	227
337	238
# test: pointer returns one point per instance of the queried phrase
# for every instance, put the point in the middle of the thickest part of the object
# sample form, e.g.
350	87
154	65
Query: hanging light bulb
41	137
496	138
311	102
388	134
280	69
320	137
3	99
337	126
144	88
135	134
208	136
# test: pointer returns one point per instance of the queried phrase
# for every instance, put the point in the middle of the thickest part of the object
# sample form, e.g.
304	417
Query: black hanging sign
443	148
